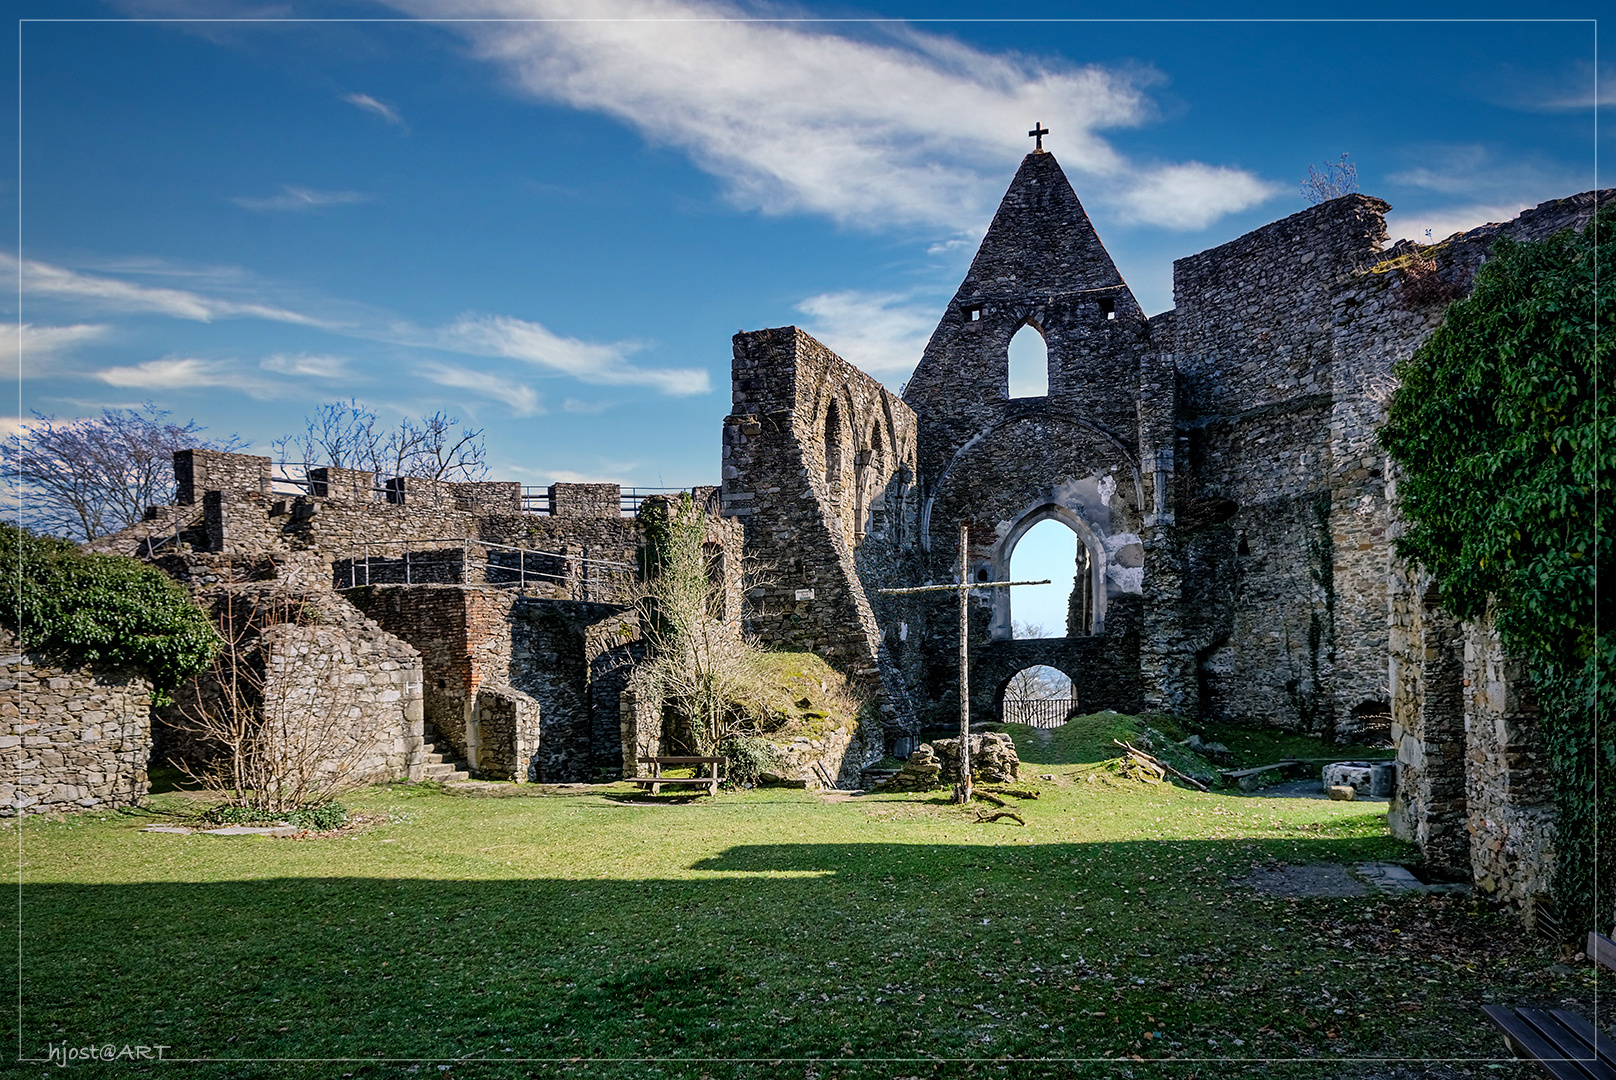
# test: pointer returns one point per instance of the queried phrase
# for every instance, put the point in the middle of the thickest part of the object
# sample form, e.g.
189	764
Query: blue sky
551	229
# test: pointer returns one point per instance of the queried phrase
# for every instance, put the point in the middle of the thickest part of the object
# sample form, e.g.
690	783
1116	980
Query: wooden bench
656	779
1563	1044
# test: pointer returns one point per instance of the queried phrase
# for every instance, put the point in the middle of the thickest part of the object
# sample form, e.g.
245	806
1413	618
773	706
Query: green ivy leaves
1504	443
104	608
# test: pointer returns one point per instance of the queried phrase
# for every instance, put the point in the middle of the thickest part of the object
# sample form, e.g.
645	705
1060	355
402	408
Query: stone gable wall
79	735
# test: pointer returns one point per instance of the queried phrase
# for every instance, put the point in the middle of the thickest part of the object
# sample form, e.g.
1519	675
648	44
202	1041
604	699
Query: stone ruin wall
1001	465
1285	340
310	660
79	735
1426	675
518	690
456	631
818	463
1274	587
1474	785
1509	793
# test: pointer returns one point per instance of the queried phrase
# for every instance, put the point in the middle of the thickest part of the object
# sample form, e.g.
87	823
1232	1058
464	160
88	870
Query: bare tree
699	665
90	477
270	725
348	435
1338	178
1038	683
341	434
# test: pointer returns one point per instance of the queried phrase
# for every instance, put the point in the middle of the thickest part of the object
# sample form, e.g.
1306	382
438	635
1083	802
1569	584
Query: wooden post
962	790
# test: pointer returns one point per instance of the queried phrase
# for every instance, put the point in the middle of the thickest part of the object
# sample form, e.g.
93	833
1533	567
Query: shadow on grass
791	950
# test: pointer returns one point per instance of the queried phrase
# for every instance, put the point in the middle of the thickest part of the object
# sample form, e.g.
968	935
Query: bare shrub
271	723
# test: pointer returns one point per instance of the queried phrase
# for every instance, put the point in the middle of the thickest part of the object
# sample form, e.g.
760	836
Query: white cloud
499	336
41	350
185	373
13	425
1574	90
585	408
299	198
590	362
1191	195
907	128
521	399
45	279
303	364
370	104
567	476
878	332
1433	226
1474	185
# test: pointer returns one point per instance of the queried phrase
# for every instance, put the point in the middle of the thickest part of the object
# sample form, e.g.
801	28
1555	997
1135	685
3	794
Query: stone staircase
438	765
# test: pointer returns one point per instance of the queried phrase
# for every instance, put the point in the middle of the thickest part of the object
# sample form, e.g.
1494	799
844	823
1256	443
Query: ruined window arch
1038	696
1050	549
1029	363
835	448
876	493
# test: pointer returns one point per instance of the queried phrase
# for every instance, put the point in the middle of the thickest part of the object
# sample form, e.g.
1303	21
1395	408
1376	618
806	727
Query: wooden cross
1038	132
962	791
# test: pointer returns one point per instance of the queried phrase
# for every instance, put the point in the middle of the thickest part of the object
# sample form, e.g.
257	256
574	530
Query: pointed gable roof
1041	239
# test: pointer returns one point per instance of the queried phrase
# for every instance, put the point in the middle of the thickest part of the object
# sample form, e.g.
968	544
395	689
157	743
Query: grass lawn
881	936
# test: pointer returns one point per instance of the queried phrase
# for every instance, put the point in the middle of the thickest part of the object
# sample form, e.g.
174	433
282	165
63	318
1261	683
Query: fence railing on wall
1038	712
451	561
169	537
292	478
536	500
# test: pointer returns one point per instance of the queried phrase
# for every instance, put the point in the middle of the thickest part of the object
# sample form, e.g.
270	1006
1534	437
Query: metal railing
450	561
170	533
536	500
292	478
1038	712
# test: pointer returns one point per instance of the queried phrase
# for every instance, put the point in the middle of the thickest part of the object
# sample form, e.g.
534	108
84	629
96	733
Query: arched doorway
1039	696
1047	550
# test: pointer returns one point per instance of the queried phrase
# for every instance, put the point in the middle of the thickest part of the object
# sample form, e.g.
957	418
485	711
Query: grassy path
484	934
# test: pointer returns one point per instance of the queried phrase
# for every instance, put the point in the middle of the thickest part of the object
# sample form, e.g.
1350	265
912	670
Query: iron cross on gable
1038	132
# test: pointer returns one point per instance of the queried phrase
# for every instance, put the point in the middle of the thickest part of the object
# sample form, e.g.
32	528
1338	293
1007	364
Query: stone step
444	772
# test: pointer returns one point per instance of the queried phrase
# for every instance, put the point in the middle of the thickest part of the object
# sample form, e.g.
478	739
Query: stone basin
1371	779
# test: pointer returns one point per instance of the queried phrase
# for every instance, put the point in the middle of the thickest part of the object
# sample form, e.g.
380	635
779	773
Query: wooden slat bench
656	779
1563	1044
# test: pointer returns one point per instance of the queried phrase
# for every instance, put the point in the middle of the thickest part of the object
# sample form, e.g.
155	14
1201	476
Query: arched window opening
1039	696
1373	721
833	448
878	492
1029	363
1048	550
